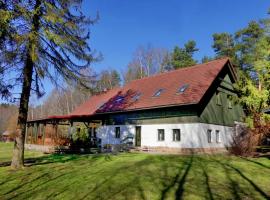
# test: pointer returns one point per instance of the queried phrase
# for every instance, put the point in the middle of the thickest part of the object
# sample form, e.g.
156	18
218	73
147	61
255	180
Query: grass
137	176
6	152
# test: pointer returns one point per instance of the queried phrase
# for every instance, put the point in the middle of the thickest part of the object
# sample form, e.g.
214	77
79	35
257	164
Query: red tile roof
93	103
138	94
198	78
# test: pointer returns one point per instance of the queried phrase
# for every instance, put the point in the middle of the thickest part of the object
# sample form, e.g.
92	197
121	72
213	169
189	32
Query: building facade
187	109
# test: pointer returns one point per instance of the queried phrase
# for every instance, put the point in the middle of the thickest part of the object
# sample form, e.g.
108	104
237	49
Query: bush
80	140
244	141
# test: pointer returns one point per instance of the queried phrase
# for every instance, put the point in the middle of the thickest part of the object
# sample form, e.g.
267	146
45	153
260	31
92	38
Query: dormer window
158	92
183	88
136	97
119	99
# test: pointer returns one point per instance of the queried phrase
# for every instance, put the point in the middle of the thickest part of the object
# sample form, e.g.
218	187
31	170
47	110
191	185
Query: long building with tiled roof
188	108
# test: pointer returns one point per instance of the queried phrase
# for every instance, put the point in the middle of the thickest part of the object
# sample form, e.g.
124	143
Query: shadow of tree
131	176
237	189
181	182
203	166
255	162
175	180
53	158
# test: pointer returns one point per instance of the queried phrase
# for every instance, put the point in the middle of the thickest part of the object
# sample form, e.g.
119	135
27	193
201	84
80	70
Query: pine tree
246	40
48	40
254	79
206	59
183	57
224	46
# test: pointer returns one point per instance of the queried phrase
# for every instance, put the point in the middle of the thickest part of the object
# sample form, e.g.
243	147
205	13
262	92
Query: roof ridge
180	69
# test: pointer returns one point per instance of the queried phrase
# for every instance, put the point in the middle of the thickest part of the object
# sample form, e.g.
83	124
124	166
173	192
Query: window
161	135
218	99
209	135
117	132
218	139
229	97
158	93
182	89
136	97
176	135
119	99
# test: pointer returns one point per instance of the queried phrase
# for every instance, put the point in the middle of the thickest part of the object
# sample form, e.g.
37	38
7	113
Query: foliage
244	141
80	139
47	39
183	57
248	49
253	99
81	134
224	46
246	40
206	59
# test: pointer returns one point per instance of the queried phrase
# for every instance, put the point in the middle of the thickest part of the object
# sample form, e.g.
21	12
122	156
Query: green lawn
6	152
137	176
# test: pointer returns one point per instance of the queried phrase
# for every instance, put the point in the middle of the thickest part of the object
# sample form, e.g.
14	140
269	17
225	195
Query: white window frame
218	138
160	139
174	138
209	136
116	134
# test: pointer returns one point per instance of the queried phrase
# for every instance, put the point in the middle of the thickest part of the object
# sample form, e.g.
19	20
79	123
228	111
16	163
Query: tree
254	84
206	59
224	46
183	57
5	28
48	40
147	61
249	48
108	79
246	40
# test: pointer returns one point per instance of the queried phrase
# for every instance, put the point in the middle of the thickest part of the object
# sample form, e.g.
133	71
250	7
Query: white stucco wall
107	133
193	135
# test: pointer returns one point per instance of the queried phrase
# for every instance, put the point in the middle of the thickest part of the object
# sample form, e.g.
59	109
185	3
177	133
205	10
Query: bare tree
147	61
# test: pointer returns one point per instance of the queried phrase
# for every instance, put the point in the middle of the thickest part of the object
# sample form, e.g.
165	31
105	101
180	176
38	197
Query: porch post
43	133
36	132
32	133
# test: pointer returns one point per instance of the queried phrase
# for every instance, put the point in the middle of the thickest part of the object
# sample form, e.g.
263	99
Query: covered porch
62	132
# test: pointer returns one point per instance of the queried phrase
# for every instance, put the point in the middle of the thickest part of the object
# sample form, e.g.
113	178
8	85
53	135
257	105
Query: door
138	136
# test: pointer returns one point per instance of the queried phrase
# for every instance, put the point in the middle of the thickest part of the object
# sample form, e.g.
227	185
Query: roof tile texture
198	77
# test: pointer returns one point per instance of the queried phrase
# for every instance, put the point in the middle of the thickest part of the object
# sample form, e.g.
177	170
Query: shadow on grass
53	158
203	167
106	181
255	162
235	186
178	180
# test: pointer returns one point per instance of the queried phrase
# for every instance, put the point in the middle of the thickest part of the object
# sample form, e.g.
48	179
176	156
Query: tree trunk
18	152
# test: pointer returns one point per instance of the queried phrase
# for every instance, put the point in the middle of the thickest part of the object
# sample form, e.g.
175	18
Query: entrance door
138	136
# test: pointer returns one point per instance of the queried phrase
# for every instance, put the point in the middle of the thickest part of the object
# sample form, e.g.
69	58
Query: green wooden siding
222	114
178	114
218	108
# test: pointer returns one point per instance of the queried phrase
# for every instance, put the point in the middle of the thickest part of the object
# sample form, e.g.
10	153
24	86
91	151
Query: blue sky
126	24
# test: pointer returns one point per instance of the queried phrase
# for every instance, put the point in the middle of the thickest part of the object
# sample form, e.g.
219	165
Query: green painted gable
216	107
221	108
